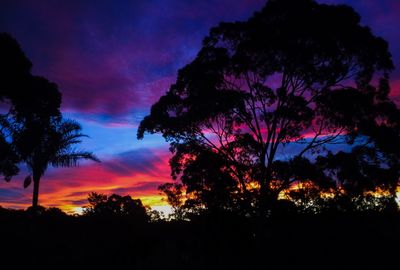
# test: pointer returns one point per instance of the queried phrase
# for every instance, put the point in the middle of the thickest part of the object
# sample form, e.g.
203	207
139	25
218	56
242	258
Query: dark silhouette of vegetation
285	154
356	241
101	205
52	144
32	130
297	75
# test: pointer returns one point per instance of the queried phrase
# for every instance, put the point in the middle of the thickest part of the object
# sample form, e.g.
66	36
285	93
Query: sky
112	60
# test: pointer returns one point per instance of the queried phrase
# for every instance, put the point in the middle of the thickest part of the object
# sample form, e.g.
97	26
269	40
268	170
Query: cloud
111	57
137	173
395	91
141	187
136	161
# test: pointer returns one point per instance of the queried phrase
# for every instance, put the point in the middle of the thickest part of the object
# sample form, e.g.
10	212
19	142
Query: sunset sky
112	60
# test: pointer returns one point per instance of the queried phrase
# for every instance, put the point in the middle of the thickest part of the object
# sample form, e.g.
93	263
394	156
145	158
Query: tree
115	206
8	158
297	73
24	98
32	129
43	144
14	69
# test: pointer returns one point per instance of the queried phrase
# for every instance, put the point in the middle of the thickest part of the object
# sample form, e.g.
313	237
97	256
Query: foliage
364	240
24	98
52	144
308	76
101	205
32	129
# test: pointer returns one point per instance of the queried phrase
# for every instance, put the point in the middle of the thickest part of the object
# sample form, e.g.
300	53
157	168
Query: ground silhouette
53	239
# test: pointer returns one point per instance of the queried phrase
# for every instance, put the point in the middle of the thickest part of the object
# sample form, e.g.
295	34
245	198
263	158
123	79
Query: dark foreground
345	242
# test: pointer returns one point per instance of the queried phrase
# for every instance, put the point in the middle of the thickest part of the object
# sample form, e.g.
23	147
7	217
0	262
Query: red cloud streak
68	188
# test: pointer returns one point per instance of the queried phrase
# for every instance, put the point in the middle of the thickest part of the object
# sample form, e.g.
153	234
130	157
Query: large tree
290	80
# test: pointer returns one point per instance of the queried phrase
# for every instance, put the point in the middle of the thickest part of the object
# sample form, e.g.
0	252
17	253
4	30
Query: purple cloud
110	57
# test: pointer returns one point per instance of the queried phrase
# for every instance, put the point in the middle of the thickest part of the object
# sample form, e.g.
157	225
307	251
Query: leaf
27	181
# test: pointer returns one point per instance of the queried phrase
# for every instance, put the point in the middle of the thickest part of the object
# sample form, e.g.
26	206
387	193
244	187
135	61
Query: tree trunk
268	197
264	190
35	197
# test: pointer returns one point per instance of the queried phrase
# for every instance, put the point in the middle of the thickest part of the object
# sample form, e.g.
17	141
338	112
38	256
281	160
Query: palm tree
52	143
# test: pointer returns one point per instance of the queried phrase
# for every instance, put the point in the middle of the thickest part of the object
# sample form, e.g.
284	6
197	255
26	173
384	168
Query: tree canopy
115	205
268	94
25	99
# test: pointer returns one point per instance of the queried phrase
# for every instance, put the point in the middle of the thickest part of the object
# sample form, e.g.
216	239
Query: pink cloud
137	173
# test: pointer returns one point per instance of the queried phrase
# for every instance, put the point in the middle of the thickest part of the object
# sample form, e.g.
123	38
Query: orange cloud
131	173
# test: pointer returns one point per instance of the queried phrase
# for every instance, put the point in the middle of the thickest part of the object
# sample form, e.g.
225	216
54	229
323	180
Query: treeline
99	206
219	241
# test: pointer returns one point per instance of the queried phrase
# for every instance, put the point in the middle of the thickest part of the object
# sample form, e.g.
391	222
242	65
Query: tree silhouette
115	205
14	69
296	73
50	144
8	158
32	129
24	98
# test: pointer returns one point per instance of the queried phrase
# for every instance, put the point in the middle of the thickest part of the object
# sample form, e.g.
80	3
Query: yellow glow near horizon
152	201
284	194
63	199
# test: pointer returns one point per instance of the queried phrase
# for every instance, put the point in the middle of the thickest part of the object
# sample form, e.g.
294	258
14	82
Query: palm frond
69	126
72	159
